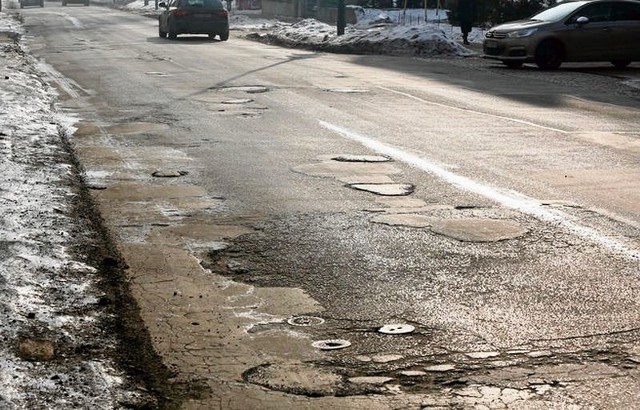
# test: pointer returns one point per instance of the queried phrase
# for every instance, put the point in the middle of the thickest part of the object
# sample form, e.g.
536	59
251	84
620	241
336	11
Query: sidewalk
56	320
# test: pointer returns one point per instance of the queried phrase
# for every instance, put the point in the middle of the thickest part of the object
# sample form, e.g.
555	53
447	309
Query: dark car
574	31
194	17
25	3
83	2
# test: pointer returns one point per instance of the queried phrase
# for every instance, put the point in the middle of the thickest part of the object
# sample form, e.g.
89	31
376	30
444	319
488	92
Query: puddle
385	189
478	230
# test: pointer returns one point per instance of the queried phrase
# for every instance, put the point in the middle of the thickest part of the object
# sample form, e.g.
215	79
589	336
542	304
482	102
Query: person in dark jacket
466	15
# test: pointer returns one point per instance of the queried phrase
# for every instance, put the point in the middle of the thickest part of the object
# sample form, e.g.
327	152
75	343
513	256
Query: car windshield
559	12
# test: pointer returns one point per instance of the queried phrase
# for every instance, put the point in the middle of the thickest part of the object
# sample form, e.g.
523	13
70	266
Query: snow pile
411	32
48	301
381	37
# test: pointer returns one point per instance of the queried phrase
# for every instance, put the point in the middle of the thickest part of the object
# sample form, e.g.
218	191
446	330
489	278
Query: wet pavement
292	267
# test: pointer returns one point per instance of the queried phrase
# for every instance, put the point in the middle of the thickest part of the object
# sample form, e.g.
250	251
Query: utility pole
342	17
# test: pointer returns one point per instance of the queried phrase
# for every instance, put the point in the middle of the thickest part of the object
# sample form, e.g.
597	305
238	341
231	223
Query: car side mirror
582	20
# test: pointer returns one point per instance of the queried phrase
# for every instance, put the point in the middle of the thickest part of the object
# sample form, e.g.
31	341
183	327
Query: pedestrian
229	5
466	16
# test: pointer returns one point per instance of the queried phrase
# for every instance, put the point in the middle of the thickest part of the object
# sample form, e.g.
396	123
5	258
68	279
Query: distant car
194	17
84	2
25	3
574	31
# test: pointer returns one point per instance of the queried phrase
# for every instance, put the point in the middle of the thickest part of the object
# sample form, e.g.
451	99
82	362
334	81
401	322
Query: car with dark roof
193	17
573	31
25	3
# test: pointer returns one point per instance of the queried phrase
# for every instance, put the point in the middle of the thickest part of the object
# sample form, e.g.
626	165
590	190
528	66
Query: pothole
331	344
169	173
385	189
347	90
396	329
478	230
305	321
295	378
157	74
249	89
238	101
361	158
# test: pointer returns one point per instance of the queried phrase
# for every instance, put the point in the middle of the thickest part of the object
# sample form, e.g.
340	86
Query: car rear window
209	4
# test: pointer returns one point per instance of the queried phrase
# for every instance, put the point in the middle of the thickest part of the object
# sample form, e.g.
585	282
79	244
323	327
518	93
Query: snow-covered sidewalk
56	350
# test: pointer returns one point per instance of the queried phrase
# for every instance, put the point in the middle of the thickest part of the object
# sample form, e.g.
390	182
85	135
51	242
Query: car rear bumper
194	26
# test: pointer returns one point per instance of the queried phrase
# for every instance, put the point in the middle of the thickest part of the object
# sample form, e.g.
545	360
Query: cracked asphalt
492	212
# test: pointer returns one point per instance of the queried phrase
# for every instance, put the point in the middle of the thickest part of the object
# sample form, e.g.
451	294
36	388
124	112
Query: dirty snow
396	31
48	300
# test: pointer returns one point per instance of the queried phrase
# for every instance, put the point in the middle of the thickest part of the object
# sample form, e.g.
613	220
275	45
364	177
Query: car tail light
222	13
180	13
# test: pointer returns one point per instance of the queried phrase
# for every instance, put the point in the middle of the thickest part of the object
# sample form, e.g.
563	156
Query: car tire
512	64
549	55
172	31
224	36
620	63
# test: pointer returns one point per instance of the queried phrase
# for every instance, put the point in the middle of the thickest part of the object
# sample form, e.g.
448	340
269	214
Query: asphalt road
494	213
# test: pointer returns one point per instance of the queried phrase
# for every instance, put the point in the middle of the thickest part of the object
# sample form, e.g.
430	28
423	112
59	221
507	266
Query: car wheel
224	36
512	64
549	55
620	63
172	31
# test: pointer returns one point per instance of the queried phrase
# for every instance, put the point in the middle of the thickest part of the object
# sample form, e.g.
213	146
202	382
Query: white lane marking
451	107
508	198
74	21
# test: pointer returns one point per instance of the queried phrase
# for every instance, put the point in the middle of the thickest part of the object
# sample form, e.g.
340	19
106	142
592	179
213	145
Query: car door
591	41
626	17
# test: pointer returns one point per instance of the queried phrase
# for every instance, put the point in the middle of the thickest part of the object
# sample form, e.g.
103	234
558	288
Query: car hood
519	25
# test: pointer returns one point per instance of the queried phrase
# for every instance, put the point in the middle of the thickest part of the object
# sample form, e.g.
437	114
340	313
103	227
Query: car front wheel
549	55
